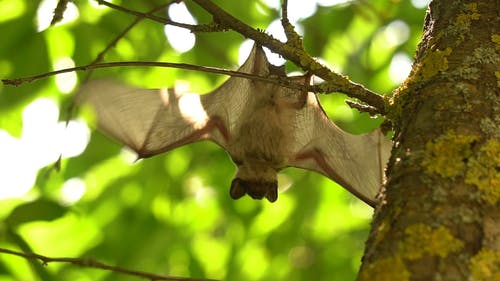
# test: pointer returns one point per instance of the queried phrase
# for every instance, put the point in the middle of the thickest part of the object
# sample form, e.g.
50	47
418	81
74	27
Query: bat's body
263	141
264	127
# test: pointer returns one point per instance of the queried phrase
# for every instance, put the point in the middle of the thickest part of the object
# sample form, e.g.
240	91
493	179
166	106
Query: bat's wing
356	162
152	121
146	120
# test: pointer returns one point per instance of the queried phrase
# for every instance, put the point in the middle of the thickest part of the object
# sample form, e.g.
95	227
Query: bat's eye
237	189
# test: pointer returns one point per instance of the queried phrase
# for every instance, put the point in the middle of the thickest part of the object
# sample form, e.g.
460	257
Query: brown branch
59	11
292	50
96	264
296	55
275	80
112	44
192	27
122	34
362	107
293	38
138	19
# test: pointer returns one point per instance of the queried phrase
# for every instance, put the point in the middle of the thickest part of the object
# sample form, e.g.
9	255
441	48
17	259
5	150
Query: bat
264	127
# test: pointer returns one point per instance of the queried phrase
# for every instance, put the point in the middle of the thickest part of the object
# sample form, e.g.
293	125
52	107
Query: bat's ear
256	190
272	192
259	190
256	62
237	190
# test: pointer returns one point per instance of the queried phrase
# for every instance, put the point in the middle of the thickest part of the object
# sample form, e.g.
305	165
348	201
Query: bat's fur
262	145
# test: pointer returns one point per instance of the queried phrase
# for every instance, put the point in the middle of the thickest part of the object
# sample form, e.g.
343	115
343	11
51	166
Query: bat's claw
255	189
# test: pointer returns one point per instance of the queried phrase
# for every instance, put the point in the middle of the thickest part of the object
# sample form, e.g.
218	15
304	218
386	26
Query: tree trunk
439	218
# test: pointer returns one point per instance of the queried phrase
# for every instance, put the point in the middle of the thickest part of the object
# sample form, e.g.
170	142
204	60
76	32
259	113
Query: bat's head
258	181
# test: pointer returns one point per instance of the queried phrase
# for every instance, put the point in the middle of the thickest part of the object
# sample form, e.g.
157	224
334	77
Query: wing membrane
149	121
356	162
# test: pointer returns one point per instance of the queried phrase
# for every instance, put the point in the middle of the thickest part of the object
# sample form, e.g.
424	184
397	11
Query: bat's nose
255	189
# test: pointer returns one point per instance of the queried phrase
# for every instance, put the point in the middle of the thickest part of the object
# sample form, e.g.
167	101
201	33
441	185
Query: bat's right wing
356	162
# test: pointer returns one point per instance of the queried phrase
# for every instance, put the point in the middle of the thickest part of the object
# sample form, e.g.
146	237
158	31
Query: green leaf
39	210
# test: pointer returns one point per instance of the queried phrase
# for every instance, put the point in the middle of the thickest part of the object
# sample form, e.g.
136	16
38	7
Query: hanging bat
263	126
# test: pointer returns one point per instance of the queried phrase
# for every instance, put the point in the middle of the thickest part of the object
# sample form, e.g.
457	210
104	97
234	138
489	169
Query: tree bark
439	216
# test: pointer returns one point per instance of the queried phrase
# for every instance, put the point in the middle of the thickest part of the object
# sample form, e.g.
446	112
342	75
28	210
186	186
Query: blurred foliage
171	214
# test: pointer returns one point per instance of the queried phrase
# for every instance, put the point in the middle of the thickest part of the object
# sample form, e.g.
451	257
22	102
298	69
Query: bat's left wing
149	121
356	162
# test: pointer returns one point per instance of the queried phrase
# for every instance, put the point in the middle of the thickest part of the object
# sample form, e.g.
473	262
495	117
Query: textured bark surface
439	218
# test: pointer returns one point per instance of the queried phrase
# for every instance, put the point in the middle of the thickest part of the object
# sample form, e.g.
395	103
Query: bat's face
258	181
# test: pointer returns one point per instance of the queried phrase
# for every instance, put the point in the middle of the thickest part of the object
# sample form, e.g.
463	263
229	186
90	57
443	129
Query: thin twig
291	50
275	80
101	55
59	11
138	19
96	264
192	27
362	107
293	38
324	87
143	15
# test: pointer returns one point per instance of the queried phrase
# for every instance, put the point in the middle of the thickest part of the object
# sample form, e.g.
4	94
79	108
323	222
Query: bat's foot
255	189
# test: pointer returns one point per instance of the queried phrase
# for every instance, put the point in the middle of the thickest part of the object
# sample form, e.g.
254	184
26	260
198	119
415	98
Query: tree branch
362	107
192	27
122	34
138	19
59	11
296	55
293	38
292	50
96	264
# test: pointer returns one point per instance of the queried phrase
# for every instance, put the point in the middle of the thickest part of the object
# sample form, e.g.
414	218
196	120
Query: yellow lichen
401	100
421	240
388	269
497	75
464	19
483	171
485	265
445	156
472	7
435	62
495	38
